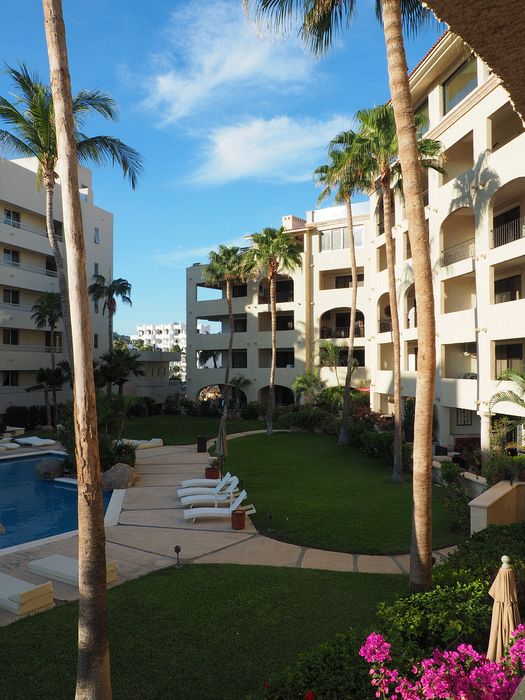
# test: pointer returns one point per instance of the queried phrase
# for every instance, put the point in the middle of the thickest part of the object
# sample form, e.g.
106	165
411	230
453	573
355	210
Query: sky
231	122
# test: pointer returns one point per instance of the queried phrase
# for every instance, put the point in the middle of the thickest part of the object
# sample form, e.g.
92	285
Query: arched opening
283	395
457	236
410	307
211	392
384	313
335	323
508	213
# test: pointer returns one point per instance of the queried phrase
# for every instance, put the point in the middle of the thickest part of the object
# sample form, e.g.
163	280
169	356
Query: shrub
251	411
308	418
172	405
124	453
378	444
191	408
134	407
455	498
25	416
208	409
332	670
499	466
331	398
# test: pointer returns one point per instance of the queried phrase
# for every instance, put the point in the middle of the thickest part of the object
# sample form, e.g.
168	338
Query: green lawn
204	632
325	496
183	430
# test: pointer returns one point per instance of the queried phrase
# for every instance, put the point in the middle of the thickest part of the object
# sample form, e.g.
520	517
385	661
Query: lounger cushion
35	441
142	444
22	597
65	569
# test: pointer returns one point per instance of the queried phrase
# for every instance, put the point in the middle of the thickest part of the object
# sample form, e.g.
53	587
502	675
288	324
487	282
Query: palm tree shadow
476	187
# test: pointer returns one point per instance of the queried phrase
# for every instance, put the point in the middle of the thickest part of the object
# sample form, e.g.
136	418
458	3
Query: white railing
25	227
15	307
461	251
29	268
28	348
506	233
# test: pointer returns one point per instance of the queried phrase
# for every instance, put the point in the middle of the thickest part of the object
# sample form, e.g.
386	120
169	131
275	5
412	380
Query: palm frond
94	101
107	149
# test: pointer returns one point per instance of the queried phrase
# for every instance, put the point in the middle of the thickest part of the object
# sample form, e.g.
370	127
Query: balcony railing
25	227
343	331
15	307
506	233
29	268
461	251
385	326
28	348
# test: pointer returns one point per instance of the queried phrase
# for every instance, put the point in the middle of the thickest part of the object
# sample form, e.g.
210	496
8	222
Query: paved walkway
151	523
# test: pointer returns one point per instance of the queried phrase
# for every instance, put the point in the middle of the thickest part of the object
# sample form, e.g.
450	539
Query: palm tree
320	21
516	395
349	172
46	313
93	673
272	250
118	365
308	385
329	354
31	119
376	140
101	288
206	355
224	268
50	379
238	384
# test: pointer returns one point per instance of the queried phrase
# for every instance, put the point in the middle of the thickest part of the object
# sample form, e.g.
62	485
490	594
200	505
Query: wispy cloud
181	257
212	54
279	149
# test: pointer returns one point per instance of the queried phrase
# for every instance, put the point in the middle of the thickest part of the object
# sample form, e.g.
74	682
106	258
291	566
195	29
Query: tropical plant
309	385
206	355
93	671
139	344
110	291
516	395
31	119
118	365
46	313
238	384
329	355
272	250
320	21
49	379
376	141
349	173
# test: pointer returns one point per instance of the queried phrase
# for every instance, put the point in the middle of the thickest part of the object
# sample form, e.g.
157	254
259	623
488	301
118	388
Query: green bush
333	670
455	498
25	416
134	407
123	453
191	408
499	465
172	405
251	411
378	444
331	398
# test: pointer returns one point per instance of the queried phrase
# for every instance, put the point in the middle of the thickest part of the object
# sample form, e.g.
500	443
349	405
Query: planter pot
212	473
238	520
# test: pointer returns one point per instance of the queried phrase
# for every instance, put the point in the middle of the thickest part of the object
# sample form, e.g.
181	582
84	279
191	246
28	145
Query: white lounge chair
142	444
194	513
212	496
9	446
208	483
65	569
216	486
35	441
22	598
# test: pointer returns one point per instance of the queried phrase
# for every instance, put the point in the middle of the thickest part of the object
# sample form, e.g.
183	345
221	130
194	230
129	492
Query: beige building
27	269
476	221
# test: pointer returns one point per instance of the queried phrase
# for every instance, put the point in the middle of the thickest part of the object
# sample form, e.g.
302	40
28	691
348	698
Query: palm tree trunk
345	418
397	469
271	384
53	365
110	329
226	393
93	672
421	544
48	407
49	183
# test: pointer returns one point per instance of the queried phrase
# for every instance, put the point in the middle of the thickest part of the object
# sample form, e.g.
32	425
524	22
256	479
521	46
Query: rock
120	476
49	468
47	429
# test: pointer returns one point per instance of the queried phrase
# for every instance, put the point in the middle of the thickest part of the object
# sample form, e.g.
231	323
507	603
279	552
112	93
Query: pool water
30	508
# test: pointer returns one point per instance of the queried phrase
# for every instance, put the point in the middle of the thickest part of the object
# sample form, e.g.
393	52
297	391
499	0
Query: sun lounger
194	513
212	496
21	597
65	569
142	444
216	487
9	446
208	483
14	430
35	441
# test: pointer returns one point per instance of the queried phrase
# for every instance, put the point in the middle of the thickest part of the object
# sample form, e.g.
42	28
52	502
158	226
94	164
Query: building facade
27	269
476	222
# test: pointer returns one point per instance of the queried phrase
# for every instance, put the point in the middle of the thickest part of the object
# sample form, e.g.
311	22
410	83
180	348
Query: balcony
29	268
508	232
28	348
343	331
7	221
460	251
384	326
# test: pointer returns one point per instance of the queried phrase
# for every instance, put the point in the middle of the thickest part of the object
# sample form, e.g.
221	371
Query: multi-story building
476	222
27	269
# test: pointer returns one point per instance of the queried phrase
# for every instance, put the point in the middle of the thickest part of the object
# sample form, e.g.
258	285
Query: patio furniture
194	513
142	444
212	496
22	598
203	485
14	431
35	441
65	569
6	445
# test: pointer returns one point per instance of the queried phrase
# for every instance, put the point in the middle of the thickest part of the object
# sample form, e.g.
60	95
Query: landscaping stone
46	429
120	476
49	468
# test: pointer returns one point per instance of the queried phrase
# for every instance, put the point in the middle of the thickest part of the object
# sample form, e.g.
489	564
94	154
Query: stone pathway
151	523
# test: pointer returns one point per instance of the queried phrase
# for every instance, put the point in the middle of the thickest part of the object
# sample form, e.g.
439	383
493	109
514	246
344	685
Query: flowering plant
462	674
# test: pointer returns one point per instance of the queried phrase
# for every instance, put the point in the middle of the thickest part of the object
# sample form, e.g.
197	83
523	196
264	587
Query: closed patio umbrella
221	448
505	613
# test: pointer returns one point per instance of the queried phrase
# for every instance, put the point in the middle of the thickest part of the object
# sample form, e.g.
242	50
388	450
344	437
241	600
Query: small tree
109	292
46	313
308	385
50	379
329	356
118	366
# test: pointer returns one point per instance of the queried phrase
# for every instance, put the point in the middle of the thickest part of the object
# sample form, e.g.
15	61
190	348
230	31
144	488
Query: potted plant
511	449
213	471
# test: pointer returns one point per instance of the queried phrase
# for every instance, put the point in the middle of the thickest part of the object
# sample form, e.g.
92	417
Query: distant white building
164	336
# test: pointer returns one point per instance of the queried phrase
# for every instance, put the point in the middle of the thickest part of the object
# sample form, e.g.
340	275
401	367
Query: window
95	305
239	325
239	290
12	218
463	417
284	358
336	239
10	377
10	336
58	341
509	356
284	290
96	235
239	359
11	296
95	341
95	269
51	267
508	289
460	84
11	257
359	357
285	322
345	281
422	118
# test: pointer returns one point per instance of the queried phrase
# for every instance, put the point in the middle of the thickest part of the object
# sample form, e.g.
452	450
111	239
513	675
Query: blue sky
230	123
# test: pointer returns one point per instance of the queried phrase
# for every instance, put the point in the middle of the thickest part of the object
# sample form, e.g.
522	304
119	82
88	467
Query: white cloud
213	53
182	257
279	149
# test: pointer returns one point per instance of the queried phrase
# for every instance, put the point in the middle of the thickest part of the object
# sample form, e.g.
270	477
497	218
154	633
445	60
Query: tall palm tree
224	268
118	365
272	250
31	120
49	379
320	21
110	291
349	173
376	140
93	672
238	384
46	313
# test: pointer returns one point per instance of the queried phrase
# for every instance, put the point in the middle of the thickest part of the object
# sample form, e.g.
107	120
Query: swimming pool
31	509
